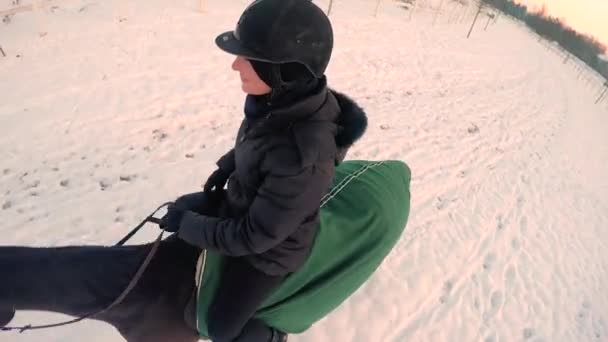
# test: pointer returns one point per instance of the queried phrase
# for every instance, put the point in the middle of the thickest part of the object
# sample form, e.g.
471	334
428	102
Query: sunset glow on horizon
585	16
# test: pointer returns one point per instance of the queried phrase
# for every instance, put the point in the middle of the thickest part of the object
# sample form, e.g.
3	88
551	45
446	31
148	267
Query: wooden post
452	12
437	12
474	21
488	23
378	6
496	17
412	9
601	97
463	15
2	51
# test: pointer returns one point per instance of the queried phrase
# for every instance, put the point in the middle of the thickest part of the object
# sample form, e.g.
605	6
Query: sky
586	16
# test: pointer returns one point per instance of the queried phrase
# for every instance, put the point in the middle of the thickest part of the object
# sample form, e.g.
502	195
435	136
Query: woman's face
250	81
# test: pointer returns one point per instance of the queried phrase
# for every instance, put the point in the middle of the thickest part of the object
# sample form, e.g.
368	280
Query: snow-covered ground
113	107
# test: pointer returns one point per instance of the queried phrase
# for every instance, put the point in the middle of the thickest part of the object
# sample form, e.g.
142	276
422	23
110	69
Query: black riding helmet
282	31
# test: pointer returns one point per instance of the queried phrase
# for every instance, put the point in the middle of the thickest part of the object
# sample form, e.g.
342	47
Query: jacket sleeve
227	163
283	202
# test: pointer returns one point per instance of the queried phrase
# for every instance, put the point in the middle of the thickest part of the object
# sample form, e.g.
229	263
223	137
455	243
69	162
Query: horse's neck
69	280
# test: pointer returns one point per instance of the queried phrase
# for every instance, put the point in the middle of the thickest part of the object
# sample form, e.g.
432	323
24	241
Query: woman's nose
235	64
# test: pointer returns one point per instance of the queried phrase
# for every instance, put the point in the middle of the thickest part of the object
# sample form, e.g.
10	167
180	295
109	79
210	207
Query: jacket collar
284	117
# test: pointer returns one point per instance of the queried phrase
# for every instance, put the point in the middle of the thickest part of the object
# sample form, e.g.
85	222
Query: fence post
474	20
496	17
437	12
488	23
378	6
412	9
452	12
465	14
601	97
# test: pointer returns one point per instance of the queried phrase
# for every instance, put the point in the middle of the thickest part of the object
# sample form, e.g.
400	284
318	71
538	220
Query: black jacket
281	167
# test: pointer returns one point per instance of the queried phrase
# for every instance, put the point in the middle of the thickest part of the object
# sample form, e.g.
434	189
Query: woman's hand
172	220
193	202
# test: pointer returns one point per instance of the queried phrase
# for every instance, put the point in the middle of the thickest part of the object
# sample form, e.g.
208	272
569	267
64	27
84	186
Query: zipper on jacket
249	128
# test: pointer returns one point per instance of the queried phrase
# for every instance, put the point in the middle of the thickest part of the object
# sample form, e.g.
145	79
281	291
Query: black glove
171	221
193	202
217	179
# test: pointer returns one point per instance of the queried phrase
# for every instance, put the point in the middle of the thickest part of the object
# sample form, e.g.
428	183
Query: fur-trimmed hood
352	121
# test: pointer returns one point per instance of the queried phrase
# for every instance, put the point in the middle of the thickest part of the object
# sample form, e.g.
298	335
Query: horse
363	217
80	280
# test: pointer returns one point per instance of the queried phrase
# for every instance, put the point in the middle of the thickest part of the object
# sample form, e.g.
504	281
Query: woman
294	133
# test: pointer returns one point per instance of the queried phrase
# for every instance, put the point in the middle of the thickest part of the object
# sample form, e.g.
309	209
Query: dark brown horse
80	280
